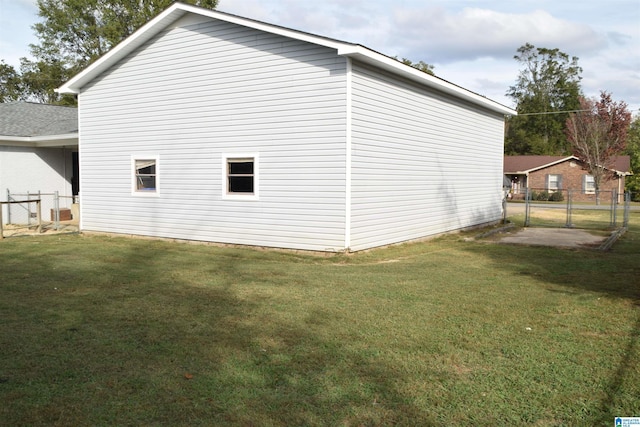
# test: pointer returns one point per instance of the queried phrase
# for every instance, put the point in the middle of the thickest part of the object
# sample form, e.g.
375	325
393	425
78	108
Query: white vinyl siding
197	92
30	169
422	163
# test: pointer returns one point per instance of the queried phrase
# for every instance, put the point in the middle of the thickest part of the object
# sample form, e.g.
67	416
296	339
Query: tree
10	84
548	85
421	65
597	133
74	33
633	150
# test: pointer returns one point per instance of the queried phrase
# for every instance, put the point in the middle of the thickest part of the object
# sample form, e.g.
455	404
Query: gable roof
526	164
29	123
350	50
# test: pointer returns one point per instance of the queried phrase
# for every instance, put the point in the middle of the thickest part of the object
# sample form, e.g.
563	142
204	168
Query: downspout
64	166
348	142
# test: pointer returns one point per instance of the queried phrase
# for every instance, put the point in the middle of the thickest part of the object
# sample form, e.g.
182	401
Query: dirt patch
12	230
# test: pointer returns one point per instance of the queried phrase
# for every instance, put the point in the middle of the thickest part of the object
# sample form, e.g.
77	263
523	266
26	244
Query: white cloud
476	33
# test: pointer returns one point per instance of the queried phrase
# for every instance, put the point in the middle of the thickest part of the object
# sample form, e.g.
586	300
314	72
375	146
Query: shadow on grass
616	387
610	274
147	335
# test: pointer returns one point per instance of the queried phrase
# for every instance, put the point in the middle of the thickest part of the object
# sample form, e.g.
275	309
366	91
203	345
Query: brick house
563	173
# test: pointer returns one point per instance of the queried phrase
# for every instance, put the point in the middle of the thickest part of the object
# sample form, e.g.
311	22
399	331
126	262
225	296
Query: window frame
226	158
558	181
134	177
588	179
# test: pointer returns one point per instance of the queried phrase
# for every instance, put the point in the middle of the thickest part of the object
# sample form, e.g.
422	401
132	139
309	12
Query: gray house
38	149
213	127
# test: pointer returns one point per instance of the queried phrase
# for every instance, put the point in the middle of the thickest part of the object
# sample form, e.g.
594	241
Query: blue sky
470	42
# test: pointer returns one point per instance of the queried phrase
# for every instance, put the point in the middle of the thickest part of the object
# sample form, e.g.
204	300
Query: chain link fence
56	211
599	210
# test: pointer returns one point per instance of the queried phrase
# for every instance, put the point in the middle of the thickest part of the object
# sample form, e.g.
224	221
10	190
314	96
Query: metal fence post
8	207
504	209
569	223
614	196
627	206
39	214
56	210
28	210
527	207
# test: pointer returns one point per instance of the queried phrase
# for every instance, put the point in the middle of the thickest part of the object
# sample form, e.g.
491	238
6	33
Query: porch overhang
69	140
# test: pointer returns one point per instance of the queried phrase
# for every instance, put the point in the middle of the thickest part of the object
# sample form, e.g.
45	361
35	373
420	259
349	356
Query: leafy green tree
633	151
547	87
10	83
74	33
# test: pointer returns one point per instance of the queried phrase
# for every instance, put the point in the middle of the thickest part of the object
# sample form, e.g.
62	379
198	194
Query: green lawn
118	331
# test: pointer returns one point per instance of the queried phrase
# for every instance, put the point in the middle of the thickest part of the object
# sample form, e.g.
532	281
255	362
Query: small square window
240	176
145	175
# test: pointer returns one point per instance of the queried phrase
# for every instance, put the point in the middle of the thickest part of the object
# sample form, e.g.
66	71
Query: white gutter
68	139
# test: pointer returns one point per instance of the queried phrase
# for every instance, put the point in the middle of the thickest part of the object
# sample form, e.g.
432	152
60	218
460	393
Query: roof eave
546	165
62	140
363	54
162	21
359	52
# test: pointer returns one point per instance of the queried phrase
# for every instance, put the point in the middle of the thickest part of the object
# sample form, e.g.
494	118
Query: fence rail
52	202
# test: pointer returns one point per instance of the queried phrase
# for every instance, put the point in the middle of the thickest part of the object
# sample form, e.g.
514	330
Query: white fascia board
163	21
358	52
124	48
363	54
64	140
546	165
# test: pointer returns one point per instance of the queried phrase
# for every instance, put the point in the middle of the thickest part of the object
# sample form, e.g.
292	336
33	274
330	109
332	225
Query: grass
116	331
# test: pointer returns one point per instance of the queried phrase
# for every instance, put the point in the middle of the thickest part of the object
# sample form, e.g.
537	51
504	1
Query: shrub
556	196
542	196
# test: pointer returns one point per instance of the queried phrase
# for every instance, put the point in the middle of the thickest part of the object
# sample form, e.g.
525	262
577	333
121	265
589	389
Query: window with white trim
145	174
589	184
240	176
554	182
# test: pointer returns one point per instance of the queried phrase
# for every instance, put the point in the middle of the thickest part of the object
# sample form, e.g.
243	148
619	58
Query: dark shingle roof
516	164
30	119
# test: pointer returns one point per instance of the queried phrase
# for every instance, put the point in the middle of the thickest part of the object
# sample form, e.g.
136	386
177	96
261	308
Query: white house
208	126
38	152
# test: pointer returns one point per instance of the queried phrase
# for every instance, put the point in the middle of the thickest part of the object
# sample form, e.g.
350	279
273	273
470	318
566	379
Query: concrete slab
562	237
